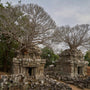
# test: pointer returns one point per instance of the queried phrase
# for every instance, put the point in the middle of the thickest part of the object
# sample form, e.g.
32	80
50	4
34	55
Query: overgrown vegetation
7	52
21	26
27	25
87	56
49	55
73	37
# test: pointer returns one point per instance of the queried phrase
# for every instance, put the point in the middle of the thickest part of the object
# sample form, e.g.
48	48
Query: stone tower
29	63
71	63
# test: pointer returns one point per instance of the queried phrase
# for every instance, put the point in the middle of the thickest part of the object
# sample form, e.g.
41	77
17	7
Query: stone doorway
31	71
80	70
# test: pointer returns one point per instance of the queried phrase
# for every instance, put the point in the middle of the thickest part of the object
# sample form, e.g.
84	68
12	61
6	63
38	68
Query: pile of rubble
56	85
19	82
82	82
8	81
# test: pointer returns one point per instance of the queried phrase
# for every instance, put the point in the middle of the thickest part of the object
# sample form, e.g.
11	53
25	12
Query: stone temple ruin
71	63
29	63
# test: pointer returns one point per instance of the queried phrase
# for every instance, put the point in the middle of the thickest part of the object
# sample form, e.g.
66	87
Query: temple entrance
79	70
30	71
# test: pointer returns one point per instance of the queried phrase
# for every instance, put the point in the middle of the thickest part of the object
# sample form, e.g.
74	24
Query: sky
63	12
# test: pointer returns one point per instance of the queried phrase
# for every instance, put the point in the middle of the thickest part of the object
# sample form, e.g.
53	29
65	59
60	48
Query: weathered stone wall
63	68
71	63
22	65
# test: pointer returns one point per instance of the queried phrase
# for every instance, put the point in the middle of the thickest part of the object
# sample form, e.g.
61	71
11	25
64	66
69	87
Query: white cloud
71	16
83	18
66	12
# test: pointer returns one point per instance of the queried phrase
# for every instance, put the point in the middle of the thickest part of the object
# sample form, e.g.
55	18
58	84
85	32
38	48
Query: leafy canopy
49	55
87	57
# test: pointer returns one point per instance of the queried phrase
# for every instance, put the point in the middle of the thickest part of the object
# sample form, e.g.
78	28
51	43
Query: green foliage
8	4
1	5
87	57
9	34
49	55
7	52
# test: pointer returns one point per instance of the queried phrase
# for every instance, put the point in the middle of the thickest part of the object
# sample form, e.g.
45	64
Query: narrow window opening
80	70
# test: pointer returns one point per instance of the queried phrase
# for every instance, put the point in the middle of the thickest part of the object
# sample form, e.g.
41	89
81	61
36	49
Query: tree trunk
5	66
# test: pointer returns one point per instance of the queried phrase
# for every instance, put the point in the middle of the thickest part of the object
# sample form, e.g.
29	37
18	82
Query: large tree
25	24
73	37
9	15
10	32
38	24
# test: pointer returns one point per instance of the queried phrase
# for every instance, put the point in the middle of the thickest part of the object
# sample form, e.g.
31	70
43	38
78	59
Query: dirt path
76	88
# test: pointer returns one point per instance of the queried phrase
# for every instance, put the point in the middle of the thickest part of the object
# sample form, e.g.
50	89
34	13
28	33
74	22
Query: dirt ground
76	88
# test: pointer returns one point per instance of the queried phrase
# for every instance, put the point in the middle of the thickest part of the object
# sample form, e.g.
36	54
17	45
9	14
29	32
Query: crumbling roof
71	52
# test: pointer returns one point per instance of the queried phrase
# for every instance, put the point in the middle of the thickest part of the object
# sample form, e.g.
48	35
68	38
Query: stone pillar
72	70
84	71
15	68
75	70
40	72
